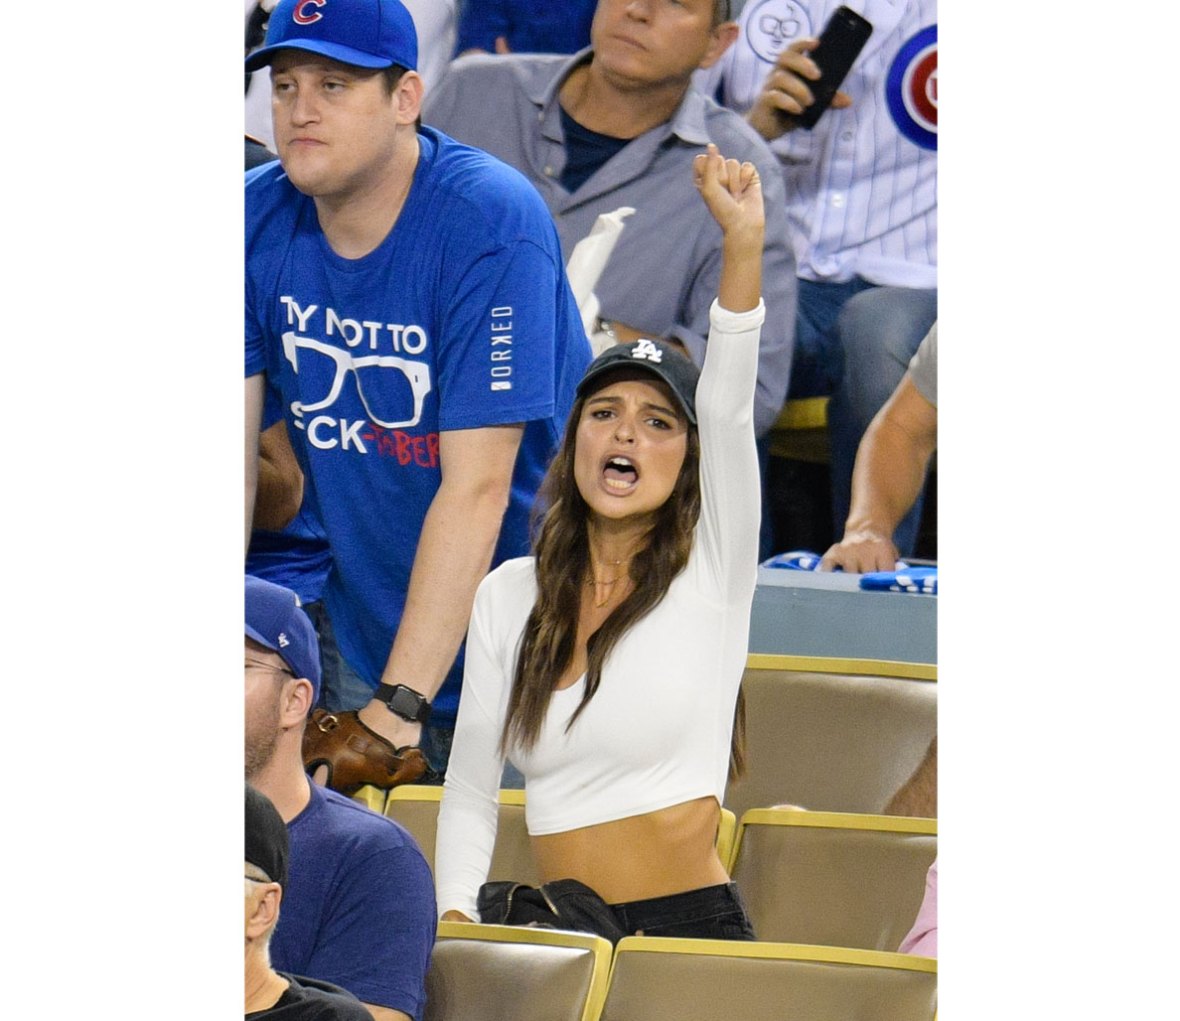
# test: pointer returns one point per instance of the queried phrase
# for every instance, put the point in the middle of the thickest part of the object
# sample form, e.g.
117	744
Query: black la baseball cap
655	358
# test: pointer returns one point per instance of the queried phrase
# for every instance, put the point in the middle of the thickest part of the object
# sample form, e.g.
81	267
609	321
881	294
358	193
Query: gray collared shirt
664	271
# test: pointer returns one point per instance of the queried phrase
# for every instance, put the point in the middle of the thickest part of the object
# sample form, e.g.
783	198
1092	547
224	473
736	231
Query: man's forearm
890	470
886	481
454	552
891	466
280	481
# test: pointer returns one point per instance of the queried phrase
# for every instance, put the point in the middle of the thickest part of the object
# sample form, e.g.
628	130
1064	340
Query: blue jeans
341	688
854	341
713	912
436	746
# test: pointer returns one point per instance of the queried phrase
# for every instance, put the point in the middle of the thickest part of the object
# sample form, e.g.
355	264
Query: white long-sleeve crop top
657	732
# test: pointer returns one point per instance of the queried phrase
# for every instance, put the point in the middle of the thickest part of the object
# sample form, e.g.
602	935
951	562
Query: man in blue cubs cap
363	33
358	904
407	299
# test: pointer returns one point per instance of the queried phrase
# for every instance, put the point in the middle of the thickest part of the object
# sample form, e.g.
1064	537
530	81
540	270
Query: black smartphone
842	39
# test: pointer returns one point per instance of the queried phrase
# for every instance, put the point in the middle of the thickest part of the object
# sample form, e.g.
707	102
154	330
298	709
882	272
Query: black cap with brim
652	357
267	843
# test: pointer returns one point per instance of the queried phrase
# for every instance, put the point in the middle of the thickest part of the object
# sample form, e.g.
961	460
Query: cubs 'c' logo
911	88
301	14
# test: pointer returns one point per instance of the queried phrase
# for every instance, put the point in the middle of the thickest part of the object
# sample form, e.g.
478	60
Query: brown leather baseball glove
356	755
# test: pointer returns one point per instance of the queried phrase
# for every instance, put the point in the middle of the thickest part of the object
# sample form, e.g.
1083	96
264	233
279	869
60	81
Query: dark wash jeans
714	912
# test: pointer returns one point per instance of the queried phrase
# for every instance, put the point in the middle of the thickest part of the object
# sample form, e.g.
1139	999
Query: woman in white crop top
607	667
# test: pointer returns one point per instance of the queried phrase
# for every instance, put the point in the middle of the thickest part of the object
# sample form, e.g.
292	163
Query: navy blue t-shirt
358	909
585	151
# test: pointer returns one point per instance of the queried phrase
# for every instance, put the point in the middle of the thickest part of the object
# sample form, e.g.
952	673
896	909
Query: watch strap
410	704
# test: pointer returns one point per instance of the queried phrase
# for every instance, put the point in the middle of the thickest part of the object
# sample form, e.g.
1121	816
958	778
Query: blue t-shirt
296	558
358	908
461	318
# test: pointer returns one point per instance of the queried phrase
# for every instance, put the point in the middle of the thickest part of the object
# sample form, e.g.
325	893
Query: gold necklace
606	583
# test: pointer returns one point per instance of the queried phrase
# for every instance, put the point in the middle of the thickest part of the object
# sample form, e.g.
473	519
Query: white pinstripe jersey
861	186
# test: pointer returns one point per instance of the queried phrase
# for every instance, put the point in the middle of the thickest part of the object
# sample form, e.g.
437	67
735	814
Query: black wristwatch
403	701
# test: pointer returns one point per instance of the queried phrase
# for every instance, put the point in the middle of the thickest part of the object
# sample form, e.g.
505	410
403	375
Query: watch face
405	703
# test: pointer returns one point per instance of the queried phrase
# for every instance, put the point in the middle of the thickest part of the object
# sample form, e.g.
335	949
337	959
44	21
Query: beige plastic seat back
486	972
657	979
371	797
833	879
726	836
416	808
512	856
832	741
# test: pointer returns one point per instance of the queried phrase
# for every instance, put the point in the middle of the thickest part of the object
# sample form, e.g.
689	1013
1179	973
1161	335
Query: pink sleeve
922	939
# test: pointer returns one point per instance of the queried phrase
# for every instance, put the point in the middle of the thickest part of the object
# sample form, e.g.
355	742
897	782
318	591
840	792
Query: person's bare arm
280	481
255	388
454	552
733	193
890	469
786	93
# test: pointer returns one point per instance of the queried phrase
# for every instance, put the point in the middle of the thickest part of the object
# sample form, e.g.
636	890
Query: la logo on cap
284	641
647	350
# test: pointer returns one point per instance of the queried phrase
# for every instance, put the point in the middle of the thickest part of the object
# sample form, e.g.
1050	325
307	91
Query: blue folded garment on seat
796	560
922	581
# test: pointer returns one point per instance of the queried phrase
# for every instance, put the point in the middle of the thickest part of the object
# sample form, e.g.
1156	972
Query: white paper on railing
588	260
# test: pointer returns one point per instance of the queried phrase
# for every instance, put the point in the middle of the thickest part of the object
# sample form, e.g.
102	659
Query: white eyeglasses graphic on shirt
779	29
417	374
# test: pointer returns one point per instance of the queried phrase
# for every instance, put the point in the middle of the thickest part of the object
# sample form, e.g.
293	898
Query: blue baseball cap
364	33
275	620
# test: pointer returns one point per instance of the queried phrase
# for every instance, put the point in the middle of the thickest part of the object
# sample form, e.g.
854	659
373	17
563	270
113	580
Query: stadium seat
658	979
832	735
801	431
484	972
372	797
726	835
831	878
416	808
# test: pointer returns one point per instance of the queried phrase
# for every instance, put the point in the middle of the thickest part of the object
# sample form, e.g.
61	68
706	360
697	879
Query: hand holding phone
806	79
840	43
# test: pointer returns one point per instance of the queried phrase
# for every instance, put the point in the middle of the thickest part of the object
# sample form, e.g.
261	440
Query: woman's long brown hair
562	552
